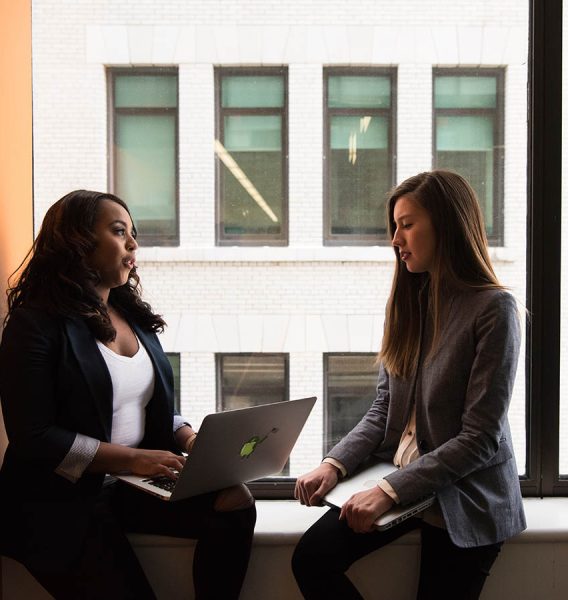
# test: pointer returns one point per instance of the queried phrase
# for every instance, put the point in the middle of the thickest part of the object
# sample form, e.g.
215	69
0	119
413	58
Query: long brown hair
56	276
461	262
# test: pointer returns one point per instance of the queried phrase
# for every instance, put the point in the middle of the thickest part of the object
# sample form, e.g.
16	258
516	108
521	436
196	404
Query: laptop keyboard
164	483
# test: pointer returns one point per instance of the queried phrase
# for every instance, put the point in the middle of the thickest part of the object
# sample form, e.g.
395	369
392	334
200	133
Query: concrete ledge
533	565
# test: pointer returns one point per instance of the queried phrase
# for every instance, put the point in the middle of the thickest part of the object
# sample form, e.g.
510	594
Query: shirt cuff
388	490
179	422
79	457
336	464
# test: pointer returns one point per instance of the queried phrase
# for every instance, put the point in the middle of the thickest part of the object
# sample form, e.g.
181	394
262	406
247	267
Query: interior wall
16	208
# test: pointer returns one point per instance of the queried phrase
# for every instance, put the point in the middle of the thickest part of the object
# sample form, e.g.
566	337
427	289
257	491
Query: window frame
112	111
497	114
329	238
250	239
544	197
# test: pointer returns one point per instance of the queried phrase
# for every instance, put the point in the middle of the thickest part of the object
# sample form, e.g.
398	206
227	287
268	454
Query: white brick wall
304	299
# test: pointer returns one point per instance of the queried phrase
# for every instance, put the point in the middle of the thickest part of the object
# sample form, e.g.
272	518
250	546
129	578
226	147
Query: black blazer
54	384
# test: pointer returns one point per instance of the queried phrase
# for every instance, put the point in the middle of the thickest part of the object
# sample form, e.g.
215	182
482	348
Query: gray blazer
462	395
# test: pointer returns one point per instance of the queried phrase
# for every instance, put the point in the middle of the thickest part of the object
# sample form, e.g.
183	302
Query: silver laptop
233	447
366	479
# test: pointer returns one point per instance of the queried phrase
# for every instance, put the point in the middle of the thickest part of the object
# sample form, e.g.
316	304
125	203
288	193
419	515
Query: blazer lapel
94	369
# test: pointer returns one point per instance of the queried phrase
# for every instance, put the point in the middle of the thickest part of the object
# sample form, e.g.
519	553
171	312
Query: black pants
108	568
330	547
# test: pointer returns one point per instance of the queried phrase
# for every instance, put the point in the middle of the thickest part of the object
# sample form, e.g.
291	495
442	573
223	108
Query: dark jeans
330	547
109	569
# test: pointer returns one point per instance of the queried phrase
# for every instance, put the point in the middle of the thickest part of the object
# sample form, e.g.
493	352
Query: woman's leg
106	568
447	571
224	539
329	548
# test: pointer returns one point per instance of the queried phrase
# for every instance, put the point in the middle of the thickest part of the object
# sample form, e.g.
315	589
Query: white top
132	387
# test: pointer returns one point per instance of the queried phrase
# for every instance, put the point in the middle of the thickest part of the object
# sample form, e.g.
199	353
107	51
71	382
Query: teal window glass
251	159
145	153
348	91
146	91
253	92
465	92
350	388
359	157
467	125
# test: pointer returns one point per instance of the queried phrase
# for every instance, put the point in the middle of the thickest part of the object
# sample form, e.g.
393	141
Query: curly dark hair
57	278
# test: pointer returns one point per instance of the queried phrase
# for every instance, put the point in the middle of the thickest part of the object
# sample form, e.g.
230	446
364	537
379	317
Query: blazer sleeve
29	358
369	433
480	441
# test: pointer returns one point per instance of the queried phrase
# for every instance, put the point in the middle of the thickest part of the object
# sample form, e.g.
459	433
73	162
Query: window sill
283	522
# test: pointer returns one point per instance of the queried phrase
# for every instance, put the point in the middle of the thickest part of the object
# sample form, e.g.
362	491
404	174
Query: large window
251	153
468	135
143	149
349	390
358	154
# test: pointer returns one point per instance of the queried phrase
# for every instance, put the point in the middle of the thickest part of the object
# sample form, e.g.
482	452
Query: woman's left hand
364	508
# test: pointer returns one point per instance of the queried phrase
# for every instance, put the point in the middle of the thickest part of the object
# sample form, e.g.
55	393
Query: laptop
366	479
233	447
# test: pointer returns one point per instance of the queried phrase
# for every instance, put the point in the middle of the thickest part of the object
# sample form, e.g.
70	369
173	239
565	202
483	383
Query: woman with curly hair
87	391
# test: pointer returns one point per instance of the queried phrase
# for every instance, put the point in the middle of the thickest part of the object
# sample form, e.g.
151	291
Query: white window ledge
282	522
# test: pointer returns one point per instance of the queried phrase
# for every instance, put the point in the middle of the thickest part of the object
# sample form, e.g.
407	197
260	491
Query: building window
468	135
144	150
251	156
349	390
250	380
358	154
175	362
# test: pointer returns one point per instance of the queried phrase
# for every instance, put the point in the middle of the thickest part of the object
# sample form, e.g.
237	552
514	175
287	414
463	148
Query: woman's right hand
116	458
156	462
313	486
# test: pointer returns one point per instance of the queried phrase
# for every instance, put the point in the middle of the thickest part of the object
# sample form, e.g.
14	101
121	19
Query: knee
236	497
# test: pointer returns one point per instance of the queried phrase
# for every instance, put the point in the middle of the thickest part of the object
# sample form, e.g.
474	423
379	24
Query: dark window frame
329	238
544	230
111	74
248	239
497	237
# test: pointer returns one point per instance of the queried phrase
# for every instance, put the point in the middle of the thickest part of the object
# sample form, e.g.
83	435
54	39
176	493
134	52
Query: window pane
145	169
359	92
359	170
465	92
252	92
250	380
350	390
135	91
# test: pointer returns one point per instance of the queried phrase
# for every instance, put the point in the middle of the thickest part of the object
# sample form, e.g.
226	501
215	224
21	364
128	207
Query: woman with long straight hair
87	391
447	367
